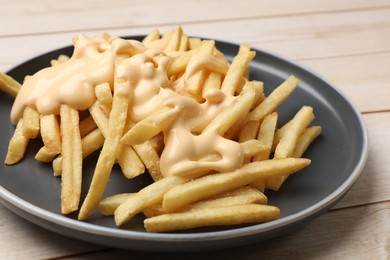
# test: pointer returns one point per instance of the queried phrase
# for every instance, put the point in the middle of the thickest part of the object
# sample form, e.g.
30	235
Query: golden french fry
240	214
213	81
57	166
150	126
305	139
274	99
279	133
17	145
249	131
50	133
108	205
104	96
210	185
71	152
252	148
178	64
59	60
109	151
266	135
150	159
152	36
9	85
237	69
149	195
92	142
30	122
237	110
44	155
193	85
184	43
87	125
99	117
194	43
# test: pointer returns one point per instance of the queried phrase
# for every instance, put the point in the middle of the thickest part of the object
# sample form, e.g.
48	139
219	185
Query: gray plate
338	156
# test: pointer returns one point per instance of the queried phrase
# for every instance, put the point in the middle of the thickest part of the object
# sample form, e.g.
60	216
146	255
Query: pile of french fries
170	203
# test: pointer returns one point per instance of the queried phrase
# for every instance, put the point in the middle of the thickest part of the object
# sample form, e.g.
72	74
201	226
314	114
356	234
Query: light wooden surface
347	42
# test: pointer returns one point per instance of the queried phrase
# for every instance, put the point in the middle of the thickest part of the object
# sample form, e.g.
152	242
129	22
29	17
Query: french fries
203	114
71	151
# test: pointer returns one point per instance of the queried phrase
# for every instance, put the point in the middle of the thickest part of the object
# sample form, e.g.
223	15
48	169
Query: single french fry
61	59
237	69
87	125
57	166
213	81
71	152
305	139
17	145
193	85
233	113
149	127
240	214
50	133
249	131
274	99
184	43
152	36
109	151
9	85
92	142
108	205
147	196
30	122
179	63
278	135
194	43
266	135
44	155
99	117
252	148
210	185
150	159
104	96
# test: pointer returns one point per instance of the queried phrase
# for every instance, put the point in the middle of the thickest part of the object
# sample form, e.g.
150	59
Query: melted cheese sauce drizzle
149	89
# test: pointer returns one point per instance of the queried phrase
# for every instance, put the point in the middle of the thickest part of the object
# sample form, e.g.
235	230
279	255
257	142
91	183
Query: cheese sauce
95	61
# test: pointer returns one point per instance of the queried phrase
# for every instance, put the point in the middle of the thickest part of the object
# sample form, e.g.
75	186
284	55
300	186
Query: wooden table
347	42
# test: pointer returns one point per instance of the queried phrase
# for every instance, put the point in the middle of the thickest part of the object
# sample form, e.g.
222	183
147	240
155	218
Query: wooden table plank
296	36
44	16
20	239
